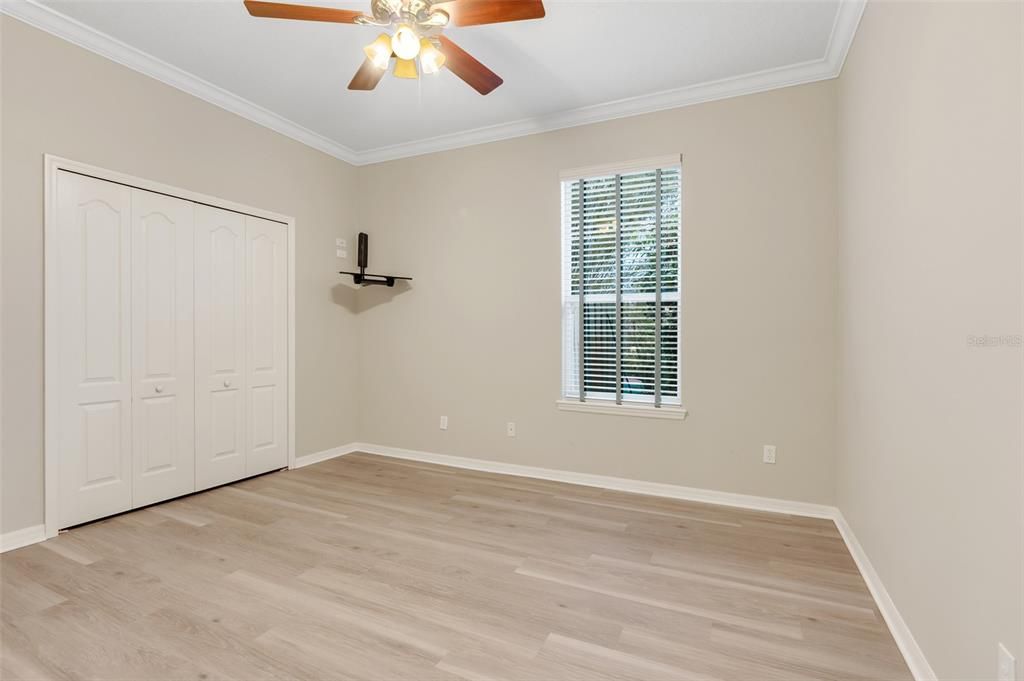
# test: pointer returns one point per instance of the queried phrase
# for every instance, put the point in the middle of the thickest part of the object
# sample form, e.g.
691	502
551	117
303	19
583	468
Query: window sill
640	410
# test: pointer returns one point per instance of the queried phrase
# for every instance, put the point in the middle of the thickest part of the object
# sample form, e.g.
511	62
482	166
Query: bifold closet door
241	346
92	348
163	370
266	345
167	340
220	280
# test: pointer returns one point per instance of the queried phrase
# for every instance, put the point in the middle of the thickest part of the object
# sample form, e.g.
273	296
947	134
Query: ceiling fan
417	34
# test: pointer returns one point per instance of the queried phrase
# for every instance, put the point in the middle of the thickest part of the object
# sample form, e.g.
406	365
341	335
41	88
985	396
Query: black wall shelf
361	278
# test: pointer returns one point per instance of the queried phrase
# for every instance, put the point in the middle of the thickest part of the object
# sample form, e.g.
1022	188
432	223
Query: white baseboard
912	653
23	537
37	533
657	489
317	457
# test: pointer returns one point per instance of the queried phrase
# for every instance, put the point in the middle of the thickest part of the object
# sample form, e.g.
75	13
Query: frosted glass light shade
431	58
379	51
405	68
405	43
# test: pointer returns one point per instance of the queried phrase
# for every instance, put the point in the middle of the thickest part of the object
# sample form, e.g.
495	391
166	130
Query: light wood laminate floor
365	567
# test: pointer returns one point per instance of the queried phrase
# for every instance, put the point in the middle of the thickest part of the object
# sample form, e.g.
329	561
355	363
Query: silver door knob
227	383
159	388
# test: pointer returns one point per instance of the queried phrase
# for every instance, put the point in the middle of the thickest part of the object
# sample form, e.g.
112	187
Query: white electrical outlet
769	454
1007	665
444	423
341	248
510	428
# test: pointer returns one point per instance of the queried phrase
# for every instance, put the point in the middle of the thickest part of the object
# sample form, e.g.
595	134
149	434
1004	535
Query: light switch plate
769	454
444	423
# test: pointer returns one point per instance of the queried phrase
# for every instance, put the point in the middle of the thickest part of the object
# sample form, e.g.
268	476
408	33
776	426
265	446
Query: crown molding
73	31
797	74
843	30
829	66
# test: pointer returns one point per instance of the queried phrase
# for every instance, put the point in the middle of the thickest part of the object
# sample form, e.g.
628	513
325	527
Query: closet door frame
51	335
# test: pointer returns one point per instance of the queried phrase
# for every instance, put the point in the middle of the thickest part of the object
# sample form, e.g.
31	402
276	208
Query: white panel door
266	254
93	348
220	278
163	370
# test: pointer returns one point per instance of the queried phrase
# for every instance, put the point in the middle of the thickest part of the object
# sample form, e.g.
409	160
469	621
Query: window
620	266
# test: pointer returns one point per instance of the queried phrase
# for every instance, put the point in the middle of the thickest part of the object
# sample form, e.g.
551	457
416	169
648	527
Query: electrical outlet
444	423
341	248
769	454
1007	665
510	428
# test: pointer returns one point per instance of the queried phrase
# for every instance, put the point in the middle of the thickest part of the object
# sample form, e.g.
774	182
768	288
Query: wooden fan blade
366	77
477	12
280	10
465	66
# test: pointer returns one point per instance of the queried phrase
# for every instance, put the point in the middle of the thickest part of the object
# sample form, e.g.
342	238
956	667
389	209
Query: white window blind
620	285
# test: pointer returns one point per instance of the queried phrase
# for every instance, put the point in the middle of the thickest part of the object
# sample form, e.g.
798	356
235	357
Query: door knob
159	388
227	383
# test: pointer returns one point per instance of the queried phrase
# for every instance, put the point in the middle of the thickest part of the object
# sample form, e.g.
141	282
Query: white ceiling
587	60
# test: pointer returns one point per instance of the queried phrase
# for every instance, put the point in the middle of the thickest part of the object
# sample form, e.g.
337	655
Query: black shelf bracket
361	278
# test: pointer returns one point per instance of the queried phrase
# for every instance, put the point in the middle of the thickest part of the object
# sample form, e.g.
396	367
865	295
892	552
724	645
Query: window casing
626	224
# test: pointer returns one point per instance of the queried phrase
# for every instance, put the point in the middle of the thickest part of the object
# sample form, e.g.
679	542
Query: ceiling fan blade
280	10
366	77
477	12
465	66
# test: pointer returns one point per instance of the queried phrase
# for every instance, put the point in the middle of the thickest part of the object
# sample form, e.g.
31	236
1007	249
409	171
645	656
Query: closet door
163	370
220	280
266	345
93	348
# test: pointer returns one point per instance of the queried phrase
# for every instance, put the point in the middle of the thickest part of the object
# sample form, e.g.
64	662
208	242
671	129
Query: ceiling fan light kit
416	42
379	51
431	58
405	43
406	68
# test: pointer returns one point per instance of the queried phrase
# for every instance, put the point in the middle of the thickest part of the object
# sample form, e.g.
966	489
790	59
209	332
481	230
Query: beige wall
60	99
477	336
890	198
930	428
